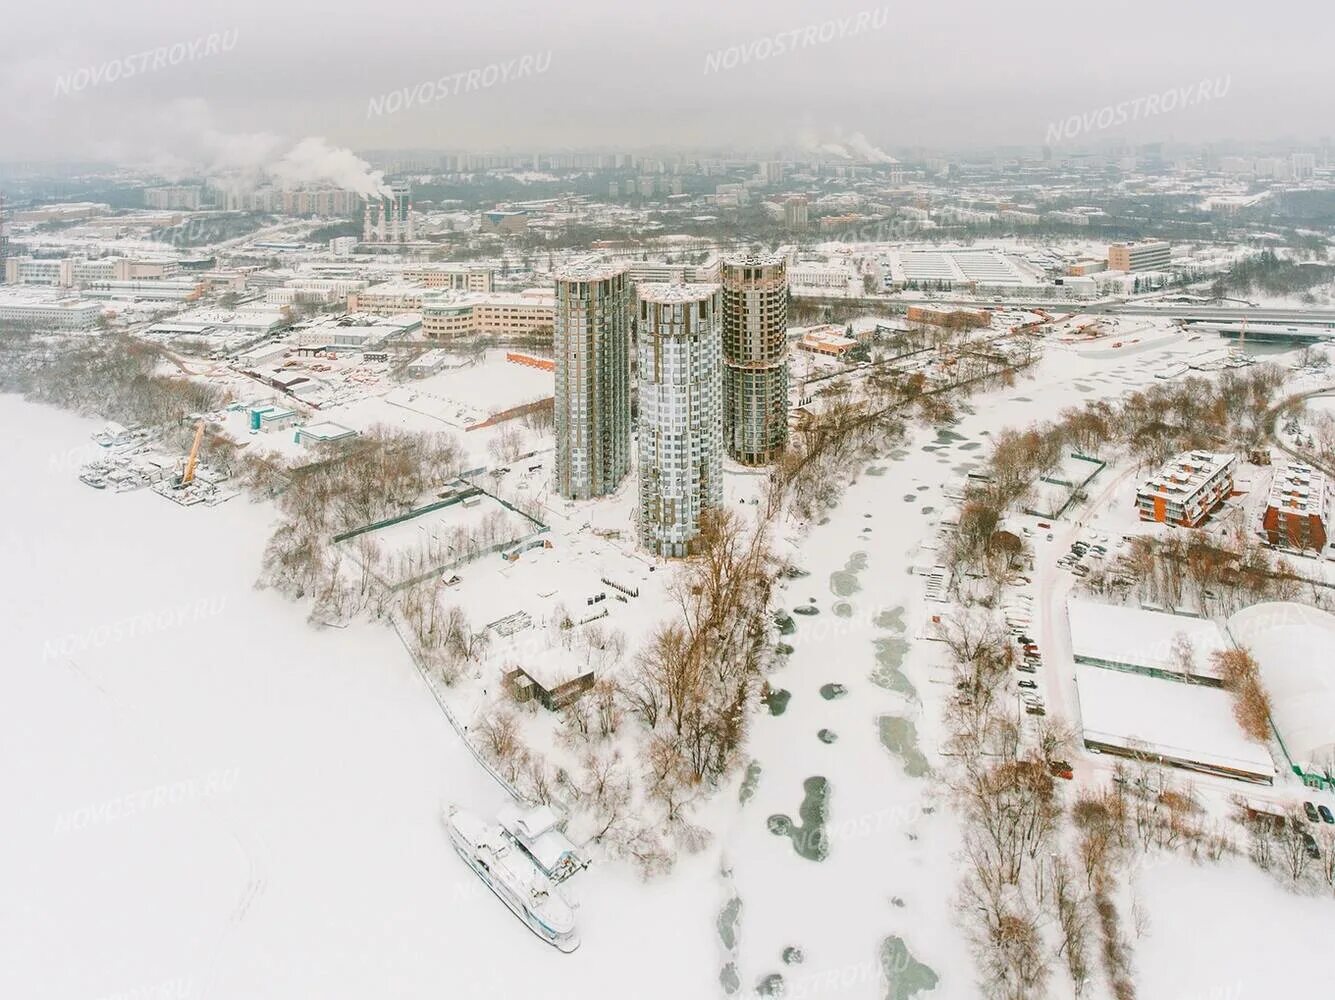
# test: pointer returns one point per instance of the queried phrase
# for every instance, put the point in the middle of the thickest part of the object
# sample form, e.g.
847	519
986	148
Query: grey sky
632	75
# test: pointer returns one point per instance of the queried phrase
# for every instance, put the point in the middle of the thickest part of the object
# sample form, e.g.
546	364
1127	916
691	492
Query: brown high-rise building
755	357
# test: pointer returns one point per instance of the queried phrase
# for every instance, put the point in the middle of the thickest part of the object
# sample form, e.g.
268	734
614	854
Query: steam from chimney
314	162
858	143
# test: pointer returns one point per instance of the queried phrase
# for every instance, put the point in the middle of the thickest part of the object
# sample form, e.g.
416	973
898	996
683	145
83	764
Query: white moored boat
514	876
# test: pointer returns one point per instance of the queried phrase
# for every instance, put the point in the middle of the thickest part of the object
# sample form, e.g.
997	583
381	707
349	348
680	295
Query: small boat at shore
515	877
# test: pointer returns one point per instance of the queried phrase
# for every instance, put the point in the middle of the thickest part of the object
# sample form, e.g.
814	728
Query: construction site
139	460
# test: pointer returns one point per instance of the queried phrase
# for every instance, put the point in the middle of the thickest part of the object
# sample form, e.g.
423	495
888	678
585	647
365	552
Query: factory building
395	220
680	428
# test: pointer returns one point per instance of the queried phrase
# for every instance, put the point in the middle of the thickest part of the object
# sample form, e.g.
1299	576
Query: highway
1192	312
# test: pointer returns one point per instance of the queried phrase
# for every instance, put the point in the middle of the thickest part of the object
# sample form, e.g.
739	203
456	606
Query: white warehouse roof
1134	638
1189	725
1293	645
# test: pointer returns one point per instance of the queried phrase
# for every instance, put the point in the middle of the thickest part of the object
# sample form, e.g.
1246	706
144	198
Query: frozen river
205	797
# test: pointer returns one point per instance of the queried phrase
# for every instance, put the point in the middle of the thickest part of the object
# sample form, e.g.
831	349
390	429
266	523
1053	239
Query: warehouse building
1151	643
1190	726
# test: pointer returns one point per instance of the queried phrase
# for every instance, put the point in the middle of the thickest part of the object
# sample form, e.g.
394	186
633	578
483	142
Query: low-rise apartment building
1187	488
1297	512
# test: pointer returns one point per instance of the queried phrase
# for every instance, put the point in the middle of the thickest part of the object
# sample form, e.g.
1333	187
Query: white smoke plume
858	143
854	146
313	161
240	161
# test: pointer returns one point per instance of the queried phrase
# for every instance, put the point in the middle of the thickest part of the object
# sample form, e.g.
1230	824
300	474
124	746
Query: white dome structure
1293	645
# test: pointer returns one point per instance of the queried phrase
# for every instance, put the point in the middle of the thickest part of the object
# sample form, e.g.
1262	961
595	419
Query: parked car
1061	769
1312	815
1029	685
1024	640
1310	843
1028	667
1326	814
1035	708
1044	524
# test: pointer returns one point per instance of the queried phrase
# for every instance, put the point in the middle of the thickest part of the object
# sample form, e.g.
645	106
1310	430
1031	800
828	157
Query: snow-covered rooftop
1292	644
1135	638
1300	489
1188	472
668	293
1190	725
590	271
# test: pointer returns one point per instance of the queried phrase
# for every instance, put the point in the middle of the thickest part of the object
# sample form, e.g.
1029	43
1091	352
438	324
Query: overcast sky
628	75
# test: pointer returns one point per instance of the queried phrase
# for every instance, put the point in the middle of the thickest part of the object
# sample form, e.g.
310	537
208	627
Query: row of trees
1272	275
1222	573
114	376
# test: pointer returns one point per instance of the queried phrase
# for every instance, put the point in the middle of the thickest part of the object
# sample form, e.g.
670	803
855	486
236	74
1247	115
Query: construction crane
188	476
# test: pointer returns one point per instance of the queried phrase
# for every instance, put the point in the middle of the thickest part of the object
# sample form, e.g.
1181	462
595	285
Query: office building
591	344
680	427
1147	255
460	277
755	357
452	315
38	312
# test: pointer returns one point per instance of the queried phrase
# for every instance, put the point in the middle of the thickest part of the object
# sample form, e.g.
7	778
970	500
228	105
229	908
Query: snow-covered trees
1242	676
695	674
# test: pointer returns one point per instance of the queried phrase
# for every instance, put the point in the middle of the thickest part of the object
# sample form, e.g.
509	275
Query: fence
459	728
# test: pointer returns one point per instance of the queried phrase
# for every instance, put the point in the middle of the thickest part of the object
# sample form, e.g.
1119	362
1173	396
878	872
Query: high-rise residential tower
755	357
591	340
680	376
